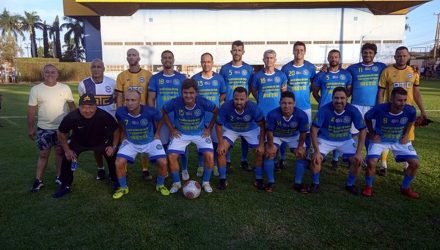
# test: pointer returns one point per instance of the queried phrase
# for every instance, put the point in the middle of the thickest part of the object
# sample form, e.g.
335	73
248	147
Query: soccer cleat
61	192
222	184
367	192
313	188
352	190
207	187
163	190
185	175
200	171
245	166
301	188
216	173
383	172
334	165
58	181
259	184
175	187
269	187
229	167
120	192
146	175
36	186
100	175
409	193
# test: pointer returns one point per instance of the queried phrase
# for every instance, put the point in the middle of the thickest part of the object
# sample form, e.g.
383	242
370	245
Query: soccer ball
191	189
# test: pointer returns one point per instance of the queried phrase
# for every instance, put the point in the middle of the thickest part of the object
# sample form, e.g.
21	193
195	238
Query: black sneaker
100	174
383	172
313	188
259	184
334	165
58	181
301	188
37	185
245	166
282	164
222	184
61	192
352	190
229	167
269	187
146	175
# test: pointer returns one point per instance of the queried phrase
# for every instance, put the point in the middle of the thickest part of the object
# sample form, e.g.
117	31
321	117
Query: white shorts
129	150
178	145
252	137
347	148
402	152
292	142
363	110
164	134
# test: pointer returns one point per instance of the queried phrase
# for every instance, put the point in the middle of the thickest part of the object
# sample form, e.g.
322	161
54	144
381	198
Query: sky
421	19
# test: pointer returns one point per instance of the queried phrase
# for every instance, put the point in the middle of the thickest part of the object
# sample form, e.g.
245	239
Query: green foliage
29	69
8	49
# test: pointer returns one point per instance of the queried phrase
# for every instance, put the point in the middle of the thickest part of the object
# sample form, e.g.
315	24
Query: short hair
340	89
240	90
299	43
130	90
334	51
270	51
166	51
189	83
49	65
398	91
207	53
371	46
287	94
401	48
238	43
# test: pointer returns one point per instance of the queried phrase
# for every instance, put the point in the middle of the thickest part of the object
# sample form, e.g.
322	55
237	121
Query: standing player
138	122
402	75
326	82
391	131
286	124
49	98
331	131
189	126
102	88
237	74
240	117
300	74
163	87
211	86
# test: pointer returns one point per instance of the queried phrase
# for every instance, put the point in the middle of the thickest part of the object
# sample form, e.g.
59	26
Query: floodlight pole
437	37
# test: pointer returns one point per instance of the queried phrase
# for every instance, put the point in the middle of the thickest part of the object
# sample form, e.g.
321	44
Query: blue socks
315	178
283	148
258	173
299	170
160	180
123	182
244	149
184	159
407	181
369	181
175	176
351	180
269	170
207	174
222	172
336	155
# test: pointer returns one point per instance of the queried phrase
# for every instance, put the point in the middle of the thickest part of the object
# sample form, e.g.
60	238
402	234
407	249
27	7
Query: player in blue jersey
138	123
300	74
188	126
103	89
286	124
326	82
237	74
164	86
391	131
240	117
211	86
331	131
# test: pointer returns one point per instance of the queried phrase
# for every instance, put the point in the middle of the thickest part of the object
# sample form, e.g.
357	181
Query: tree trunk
45	41
33	43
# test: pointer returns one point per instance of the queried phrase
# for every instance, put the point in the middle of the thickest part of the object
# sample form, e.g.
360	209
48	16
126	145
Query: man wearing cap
90	128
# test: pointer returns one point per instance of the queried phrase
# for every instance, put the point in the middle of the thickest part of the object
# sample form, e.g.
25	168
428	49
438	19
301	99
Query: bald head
133	57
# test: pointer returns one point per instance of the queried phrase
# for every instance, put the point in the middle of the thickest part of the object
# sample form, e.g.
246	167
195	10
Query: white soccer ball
191	189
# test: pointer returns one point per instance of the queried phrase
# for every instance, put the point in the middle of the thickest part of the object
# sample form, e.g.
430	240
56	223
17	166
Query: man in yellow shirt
402	75
134	78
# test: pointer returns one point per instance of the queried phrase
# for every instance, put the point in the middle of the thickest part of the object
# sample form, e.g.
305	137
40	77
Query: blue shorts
46	138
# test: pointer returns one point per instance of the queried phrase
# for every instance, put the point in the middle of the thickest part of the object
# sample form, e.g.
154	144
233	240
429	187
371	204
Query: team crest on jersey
214	83
197	112
374	68
181	112
277	79
403	120
159	146
293	124
246	118
144	122
244	72
347	119
410	75
292	73
208	140
176	82
305	72
263	80
342	77
141	79
108	89
411	148
161	81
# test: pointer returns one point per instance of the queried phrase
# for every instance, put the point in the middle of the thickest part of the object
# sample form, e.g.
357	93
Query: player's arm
173	131
31	112
254	91
222	97
151	99
214	118
221	150
71	105
300	151
315	93
62	138
405	137
260	147
419	102
380	94
271	149
119	98
110	150
361	142
349	90
317	157
159	125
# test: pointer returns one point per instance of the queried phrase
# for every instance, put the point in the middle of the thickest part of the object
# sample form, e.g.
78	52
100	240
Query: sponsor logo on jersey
244	72
197	112
347	119
343	77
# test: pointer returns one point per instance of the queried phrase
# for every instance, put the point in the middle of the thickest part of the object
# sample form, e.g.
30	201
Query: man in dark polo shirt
91	129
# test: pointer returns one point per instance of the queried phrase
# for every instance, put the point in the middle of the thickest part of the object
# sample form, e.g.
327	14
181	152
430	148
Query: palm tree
45	38
54	32
31	21
74	28
11	25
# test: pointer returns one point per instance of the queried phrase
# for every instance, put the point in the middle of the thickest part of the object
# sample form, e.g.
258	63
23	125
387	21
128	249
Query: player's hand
157	136
324	68
300	152
317	158
260	149
374	137
32	133
175	133
271	151
404	140
206	133
110	150
357	159
70	155
221	149
424	115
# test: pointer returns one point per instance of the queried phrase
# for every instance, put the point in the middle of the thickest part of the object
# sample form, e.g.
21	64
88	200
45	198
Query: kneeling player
331	131
391	131
137	122
240	117
188	126
290	125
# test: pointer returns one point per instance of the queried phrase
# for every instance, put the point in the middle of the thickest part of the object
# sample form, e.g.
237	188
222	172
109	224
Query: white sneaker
175	187
185	175
207	187
200	171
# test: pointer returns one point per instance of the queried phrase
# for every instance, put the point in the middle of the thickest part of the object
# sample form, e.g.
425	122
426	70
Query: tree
11	24
75	32
8	49
31	21
72	53
54	32
45	27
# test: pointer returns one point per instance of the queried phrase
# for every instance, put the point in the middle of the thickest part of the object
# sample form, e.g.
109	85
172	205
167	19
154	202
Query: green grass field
239	218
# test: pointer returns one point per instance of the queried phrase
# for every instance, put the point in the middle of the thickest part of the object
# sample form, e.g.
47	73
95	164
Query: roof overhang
129	7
